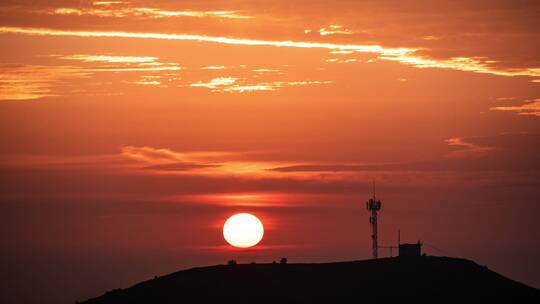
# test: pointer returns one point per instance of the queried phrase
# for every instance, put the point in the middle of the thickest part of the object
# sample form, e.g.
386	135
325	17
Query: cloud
157	13
127	63
272	86
152	155
531	107
465	148
116	9
494	33
430	38
338	60
266	71
232	84
225	40
240	176
334	29
505	98
506	151
250	88
503	152
216	83
110	58
323	168
466	64
262	199
107	3
164	159
179	166
205	163
213	67
340	52
130	158
27	82
151	80
406	56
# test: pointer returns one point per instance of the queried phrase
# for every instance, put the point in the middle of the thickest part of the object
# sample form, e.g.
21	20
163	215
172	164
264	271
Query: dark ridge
420	278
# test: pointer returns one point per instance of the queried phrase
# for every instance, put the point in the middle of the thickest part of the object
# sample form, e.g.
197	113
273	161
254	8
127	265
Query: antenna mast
374	205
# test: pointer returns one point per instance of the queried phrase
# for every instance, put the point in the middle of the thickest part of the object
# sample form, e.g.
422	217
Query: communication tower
374	205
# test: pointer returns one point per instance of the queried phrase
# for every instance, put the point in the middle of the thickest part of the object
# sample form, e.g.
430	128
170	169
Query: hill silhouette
420	278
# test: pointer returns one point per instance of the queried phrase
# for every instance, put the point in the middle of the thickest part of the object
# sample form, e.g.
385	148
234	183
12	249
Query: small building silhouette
410	250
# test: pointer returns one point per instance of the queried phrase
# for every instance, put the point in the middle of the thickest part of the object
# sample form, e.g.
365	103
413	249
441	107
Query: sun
243	230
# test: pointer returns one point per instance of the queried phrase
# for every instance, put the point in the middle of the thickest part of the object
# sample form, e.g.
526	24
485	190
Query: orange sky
131	130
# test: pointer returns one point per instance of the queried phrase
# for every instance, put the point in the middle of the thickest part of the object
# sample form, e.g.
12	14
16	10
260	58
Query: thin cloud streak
402	55
165	155
213	67
143	12
466	148
335	29
110	58
465	64
130	63
135	69
236	41
107	3
529	108
216	83
231	84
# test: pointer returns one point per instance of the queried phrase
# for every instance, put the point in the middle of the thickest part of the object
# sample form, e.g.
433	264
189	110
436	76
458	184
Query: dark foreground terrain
420	278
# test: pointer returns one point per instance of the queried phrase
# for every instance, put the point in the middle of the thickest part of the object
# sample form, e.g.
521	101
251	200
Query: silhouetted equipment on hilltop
404	250
410	250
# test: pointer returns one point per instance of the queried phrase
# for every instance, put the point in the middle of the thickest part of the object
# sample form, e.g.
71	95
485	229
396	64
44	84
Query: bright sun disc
243	230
